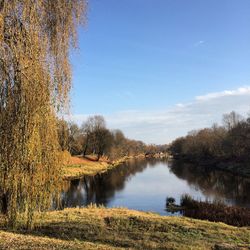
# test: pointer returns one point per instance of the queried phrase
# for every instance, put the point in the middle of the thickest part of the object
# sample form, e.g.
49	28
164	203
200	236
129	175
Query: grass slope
101	228
76	167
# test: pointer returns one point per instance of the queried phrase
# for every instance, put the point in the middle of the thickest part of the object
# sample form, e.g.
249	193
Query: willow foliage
35	79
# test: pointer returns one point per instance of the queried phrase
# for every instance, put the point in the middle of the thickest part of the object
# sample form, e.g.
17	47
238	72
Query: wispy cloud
162	126
237	92
199	43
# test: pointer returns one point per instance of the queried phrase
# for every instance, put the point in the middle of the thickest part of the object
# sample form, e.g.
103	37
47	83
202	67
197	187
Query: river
145	185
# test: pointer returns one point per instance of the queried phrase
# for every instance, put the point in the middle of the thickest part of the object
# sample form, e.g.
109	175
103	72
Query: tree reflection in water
102	189
225	186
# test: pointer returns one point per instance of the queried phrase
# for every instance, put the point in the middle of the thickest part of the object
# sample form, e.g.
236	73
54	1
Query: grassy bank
76	167
216	211
100	228
85	167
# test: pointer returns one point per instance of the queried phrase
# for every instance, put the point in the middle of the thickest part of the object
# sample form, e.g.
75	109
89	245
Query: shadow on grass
119	232
135	232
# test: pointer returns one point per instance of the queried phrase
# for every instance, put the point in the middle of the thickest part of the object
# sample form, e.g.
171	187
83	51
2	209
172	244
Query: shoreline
88	167
237	168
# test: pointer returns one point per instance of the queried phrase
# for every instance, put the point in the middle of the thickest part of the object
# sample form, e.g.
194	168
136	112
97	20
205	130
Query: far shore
231	166
79	166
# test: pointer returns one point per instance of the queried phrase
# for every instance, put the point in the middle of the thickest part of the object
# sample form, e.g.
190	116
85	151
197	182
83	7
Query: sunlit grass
101	228
78	170
78	166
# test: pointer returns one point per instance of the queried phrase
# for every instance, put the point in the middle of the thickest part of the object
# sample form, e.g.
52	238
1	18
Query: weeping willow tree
35	80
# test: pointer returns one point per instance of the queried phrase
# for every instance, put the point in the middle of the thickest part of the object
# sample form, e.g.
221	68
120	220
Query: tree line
229	142
94	138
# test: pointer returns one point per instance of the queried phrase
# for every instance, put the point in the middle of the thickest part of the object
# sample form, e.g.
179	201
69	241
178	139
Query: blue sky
142	59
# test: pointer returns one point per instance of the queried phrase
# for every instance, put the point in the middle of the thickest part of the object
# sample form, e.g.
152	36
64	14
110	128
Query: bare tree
90	129
76	139
231	120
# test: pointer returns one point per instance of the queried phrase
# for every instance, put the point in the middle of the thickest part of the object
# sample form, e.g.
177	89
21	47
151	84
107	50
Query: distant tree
176	147
119	147
230	142
238	140
119	137
63	134
94	130
99	140
102	141
231	120
70	137
76	139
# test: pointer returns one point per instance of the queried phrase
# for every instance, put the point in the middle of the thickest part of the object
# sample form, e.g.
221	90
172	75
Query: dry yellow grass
15	241
120	228
78	166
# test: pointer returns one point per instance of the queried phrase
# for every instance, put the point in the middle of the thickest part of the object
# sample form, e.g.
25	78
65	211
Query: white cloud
199	43
237	92
162	126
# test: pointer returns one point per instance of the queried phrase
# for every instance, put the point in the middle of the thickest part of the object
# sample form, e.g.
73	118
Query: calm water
145	185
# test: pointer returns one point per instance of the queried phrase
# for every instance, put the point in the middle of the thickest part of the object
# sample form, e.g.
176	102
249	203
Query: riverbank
212	211
217	212
117	228
77	167
86	167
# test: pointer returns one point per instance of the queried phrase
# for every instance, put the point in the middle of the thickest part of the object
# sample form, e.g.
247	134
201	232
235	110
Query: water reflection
223	186
100	189
145	184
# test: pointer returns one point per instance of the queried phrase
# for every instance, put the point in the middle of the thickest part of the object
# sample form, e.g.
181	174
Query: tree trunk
4	204
86	146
